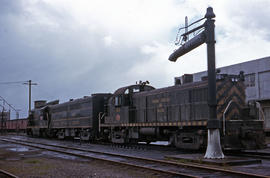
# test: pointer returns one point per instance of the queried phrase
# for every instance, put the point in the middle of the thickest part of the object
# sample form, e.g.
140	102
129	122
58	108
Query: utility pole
17	113
2	121
29	83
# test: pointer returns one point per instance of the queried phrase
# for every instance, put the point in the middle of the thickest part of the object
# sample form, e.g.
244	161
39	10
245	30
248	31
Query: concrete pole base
213	150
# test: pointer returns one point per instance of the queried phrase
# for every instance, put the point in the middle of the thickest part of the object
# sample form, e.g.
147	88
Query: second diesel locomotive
140	112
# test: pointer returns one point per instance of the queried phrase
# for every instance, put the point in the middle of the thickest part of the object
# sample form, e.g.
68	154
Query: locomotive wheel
49	133
61	134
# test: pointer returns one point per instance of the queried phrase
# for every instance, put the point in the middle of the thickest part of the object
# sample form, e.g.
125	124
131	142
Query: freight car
16	125
140	112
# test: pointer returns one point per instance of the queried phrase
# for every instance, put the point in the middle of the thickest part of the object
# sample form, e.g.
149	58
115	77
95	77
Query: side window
118	101
135	90
250	80
45	115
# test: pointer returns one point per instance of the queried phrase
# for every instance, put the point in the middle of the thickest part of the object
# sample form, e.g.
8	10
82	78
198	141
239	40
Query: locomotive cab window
45	116
135	90
118	101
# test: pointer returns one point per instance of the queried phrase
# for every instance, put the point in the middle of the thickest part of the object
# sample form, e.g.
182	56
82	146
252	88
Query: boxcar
16	125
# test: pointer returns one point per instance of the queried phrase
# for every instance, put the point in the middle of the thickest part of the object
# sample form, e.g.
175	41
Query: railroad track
253	154
161	166
142	146
6	174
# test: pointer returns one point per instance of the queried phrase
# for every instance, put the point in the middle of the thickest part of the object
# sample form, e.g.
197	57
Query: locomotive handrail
224	123
260	109
99	120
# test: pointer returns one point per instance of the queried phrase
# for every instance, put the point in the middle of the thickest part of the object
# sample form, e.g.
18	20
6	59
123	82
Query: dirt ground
34	163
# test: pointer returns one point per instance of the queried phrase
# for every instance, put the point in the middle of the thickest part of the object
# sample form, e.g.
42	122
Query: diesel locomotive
140	113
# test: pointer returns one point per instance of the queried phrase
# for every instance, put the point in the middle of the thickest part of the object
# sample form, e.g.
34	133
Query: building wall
257	77
257	81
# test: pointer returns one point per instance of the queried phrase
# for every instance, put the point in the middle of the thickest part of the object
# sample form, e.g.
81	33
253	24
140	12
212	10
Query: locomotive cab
39	117
122	96
39	120
120	104
121	109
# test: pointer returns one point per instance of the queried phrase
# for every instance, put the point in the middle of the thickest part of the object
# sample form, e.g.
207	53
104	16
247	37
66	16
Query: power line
5	102
2	106
7	83
10	106
29	83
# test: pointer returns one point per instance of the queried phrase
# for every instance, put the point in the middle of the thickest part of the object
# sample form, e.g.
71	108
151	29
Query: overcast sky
76	48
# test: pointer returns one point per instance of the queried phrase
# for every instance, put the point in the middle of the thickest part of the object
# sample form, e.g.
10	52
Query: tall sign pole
214	150
29	83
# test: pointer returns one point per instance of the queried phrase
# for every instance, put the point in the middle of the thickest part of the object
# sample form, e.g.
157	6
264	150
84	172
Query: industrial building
257	82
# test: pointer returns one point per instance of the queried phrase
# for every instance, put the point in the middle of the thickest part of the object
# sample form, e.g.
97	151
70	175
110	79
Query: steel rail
193	165
8	174
250	154
102	159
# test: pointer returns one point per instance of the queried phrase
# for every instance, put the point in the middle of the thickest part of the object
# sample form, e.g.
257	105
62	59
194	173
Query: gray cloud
66	62
72	49
252	16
